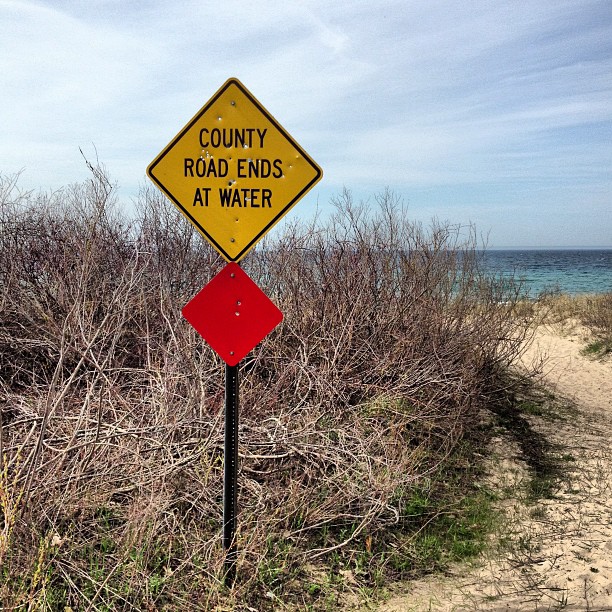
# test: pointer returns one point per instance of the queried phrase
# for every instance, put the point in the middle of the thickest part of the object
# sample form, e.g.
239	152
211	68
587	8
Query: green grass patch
532	408
436	534
598	348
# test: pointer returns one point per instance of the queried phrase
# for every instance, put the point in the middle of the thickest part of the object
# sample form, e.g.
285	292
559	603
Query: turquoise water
569	271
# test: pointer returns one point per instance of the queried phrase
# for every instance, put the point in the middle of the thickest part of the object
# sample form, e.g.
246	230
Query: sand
559	555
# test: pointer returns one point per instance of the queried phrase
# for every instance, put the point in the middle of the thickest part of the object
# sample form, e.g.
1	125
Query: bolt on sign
234	171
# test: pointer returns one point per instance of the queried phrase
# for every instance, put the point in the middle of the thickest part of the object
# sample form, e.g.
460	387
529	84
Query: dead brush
597	316
112	427
589	314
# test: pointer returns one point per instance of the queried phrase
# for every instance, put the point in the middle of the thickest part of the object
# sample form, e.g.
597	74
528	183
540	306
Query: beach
559	550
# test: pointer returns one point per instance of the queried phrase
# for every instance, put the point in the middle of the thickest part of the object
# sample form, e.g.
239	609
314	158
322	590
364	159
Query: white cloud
423	96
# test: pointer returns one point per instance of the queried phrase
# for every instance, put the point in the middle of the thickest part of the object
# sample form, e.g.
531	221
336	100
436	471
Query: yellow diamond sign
234	171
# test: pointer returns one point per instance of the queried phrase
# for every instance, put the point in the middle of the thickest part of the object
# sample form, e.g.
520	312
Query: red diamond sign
232	314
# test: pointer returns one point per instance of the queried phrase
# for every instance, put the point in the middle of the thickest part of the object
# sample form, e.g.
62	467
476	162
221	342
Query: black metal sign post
230	474
231	299
233	315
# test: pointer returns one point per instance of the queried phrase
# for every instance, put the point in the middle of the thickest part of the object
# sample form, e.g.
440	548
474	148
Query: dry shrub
112	428
597	316
567	312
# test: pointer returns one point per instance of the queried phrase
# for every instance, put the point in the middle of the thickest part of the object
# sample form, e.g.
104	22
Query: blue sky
487	112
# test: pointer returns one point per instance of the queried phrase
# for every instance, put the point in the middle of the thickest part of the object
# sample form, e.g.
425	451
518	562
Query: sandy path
586	381
561	552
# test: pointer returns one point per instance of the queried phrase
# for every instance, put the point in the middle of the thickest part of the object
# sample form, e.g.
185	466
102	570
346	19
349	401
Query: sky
496	113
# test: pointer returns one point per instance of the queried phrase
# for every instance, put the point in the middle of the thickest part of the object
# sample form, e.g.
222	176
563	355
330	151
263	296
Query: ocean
574	272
